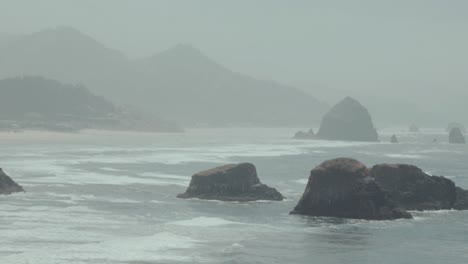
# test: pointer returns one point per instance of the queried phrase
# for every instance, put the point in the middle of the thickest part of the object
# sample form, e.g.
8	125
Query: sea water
110	197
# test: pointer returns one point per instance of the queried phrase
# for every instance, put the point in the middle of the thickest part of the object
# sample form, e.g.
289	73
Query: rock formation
412	189
452	125
305	135
456	136
393	139
342	188
348	120
7	185
232	182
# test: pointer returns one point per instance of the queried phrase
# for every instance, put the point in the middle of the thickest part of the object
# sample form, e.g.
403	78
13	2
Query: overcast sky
368	45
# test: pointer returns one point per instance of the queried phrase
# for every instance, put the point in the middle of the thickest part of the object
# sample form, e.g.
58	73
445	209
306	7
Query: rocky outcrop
7	185
342	188
412	189
232	182
393	139
456	136
348	120
305	134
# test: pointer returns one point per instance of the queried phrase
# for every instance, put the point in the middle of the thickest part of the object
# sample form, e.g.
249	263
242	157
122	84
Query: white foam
204	222
405	156
301	181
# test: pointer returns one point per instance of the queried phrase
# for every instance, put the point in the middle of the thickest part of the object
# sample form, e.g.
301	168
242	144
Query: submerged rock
393	139
348	120
456	136
305	135
412	189
342	188
232	182
7	185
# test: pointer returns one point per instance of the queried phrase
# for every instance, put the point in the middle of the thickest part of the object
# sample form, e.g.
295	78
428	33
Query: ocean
110	197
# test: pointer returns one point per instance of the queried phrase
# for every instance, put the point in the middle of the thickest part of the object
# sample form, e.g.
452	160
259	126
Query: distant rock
413	128
412	189
232	182
342	188
394	139
7	185
305	134
456	136
452	125
348	120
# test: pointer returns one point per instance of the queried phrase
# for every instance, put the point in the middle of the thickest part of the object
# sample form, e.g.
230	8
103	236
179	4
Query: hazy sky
406	45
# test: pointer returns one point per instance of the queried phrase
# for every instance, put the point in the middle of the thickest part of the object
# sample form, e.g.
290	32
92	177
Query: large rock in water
348	120
342	188
233	182
412	189
456	136
7	185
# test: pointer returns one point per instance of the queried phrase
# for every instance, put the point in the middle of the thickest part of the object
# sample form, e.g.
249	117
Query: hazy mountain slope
180	83
37	102
49	98
191	86
66	55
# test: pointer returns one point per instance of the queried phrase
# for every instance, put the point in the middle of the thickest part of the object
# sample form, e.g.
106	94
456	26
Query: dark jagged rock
348	120
7	185
413	189
393	139
456	136
305	135
462	199
342	188
233	182
413	128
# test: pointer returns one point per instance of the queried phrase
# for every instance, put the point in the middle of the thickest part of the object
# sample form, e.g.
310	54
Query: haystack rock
342	188
393	139
305	135
7	185
232	182
456	136
348	120
412	189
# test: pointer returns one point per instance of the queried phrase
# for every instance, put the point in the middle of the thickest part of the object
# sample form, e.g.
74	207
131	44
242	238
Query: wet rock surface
232	182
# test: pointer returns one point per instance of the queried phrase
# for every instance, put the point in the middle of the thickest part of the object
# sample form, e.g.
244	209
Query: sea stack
342	188
412	189
456	136
232	182
7	185
348	120
394	139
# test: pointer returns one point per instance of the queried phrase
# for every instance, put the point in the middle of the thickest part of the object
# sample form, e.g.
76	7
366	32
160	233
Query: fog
405	59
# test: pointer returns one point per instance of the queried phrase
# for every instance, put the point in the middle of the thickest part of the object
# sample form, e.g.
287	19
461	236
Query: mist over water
107	109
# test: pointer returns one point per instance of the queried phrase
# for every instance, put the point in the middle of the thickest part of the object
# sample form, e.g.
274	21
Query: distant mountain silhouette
37	102
180	83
